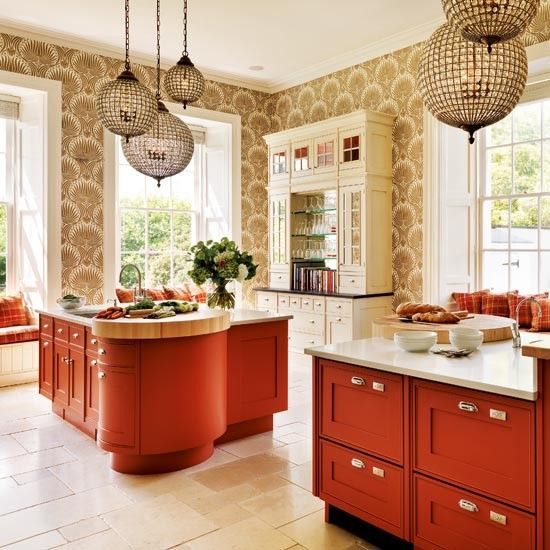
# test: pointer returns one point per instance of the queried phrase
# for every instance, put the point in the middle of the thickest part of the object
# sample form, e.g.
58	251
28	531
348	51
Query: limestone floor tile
9	447
107	540
82	475
294	427
49	437
269	483
240	471
291	438
31	494
218	458
300	475
160	522
228	515
51	539
84	528
253	445
216	500
34	461
58	513
14	426
299	413
45	420
31	476
283	505
297	453
6	484
84	450
249	534
312	532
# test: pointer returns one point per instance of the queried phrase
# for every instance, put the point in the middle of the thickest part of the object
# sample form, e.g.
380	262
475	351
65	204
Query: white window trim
111	245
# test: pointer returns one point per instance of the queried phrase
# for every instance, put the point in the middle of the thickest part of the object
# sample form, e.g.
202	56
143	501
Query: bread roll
407	309
436	317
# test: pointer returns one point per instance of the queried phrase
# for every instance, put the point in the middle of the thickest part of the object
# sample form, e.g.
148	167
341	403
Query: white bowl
71	304
412	340
462	340
465	331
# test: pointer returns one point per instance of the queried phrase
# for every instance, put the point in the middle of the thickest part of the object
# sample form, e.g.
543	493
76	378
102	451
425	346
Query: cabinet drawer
46	325
351	283
363	408
121	355
447	517
306	303
342	308
478	440
61	330
319	305
294	302
283	301
91	341
372	486
308	322
277	279
266	301
77	336
300	340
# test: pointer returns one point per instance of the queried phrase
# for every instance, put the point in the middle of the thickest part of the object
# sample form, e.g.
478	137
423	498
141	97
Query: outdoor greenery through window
158	225
6	192
515	200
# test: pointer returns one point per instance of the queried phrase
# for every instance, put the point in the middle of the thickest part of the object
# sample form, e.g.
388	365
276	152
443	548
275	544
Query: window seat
23	333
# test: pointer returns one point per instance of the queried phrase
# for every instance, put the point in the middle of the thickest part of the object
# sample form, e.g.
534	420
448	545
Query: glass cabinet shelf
313	234
314	259
316	211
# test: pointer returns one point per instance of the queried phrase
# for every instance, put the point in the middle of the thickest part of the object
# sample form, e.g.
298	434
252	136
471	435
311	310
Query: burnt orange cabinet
77	387
91	408
46	367
61	374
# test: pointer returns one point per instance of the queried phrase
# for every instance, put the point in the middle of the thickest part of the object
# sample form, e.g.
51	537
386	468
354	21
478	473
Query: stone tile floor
57	490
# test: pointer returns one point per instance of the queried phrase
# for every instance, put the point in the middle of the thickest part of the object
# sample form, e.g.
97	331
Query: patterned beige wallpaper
386	84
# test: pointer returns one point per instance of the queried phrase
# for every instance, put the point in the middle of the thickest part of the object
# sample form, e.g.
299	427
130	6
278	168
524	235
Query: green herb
71	297
144	304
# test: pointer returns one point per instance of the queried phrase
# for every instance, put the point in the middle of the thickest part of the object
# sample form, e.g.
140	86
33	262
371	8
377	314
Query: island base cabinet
450	518
46	366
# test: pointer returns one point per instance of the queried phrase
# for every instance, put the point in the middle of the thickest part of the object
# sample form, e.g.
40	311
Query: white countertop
496	367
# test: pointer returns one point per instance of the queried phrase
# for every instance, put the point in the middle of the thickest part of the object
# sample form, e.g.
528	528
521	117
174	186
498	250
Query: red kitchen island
158	394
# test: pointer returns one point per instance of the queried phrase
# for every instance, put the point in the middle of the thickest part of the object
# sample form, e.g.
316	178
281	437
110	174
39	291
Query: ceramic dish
415	340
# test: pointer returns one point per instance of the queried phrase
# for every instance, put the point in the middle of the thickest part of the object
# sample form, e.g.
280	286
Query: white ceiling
294	40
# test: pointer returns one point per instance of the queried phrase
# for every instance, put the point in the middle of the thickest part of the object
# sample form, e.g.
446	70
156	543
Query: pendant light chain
158	49
185	52
127	30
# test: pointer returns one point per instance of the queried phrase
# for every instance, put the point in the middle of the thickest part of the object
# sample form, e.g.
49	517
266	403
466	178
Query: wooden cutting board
494	328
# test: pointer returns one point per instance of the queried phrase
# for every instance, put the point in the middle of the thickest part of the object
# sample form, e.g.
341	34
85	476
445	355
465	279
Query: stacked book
314	277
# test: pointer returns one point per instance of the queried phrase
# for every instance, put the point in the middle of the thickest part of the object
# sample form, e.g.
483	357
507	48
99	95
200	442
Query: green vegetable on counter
180	307
144	304
161	313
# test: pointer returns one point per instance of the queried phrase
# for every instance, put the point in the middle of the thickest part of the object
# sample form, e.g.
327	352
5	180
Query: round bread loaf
407	309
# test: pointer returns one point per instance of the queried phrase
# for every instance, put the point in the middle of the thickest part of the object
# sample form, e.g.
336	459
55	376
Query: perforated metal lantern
490	21
165	150
183	82
465	86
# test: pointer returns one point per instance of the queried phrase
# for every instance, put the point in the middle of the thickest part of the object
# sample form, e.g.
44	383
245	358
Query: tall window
515	200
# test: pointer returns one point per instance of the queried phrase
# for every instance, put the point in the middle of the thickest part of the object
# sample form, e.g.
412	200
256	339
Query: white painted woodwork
18	363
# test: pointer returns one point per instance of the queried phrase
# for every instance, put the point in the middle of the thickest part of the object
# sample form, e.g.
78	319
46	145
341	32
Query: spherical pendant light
125	106
183	82
490	21
465	86
167	148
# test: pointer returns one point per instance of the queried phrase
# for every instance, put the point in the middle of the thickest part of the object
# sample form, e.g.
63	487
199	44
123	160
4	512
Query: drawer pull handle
338	306
65	360
358	381
378	386
468	407
75	335
94	362
94	341
60	331
312	341
498	518
45	344
280	277
497	415
266	299
46	325
312	321
339	320
352	280
101	351
356	463
306	302
378	471
467	505
101	375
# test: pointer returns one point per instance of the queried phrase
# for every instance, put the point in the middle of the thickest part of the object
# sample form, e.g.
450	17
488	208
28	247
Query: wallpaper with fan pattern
386	84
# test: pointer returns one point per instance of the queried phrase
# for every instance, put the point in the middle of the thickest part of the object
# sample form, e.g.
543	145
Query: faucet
516	336
139	291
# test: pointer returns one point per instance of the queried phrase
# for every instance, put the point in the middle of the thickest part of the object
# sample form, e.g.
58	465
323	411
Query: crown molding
271	86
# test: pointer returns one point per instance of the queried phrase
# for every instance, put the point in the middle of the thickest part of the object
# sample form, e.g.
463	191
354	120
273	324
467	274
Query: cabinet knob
101	375
357	463
75	335
65	360
93	341
101	351
93	362
467	505
378	471
378	386
352	280
45	344
312	321
468	407
312	341
338	306
339	319
358	381
60	331
306	302
46	325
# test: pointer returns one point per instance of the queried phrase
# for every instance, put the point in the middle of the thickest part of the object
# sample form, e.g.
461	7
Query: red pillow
198	293
496	304
124	295
178	293
12	311
156	294
541	320
525	317
469	301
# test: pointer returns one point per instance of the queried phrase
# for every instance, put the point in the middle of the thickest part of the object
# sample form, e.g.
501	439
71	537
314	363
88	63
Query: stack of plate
415	340
465	338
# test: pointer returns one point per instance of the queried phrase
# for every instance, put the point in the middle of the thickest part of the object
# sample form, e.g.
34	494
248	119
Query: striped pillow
541	320
525	317
156	294
496	304
178	293
469	301
124	295
12	311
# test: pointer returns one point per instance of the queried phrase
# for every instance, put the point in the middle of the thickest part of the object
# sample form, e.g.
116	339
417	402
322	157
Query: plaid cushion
178	293
496	304
198	293
525	317
156	294
124	295
12	311
541	320
12	335
469	301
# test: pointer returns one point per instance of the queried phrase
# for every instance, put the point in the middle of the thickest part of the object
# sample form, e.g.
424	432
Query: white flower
243	273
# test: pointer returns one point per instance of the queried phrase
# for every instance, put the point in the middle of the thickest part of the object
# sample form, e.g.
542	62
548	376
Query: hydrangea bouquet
221	262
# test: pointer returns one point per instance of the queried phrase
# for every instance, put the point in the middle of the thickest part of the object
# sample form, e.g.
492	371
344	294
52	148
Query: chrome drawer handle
93	341
93	362
467	505
378	386
378	471
468	407
356	463
357	380
101	351
101	375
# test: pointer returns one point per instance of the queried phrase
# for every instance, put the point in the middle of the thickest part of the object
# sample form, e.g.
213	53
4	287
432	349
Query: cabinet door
352	148
279	165
339	329
46	367
352	238
302	164
117	410
279	229
325	154
61	375
91	409
77	383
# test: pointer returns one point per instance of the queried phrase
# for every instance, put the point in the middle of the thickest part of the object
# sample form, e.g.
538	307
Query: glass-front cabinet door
279	165
352	148
278	230
352	248
302	164
325	154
